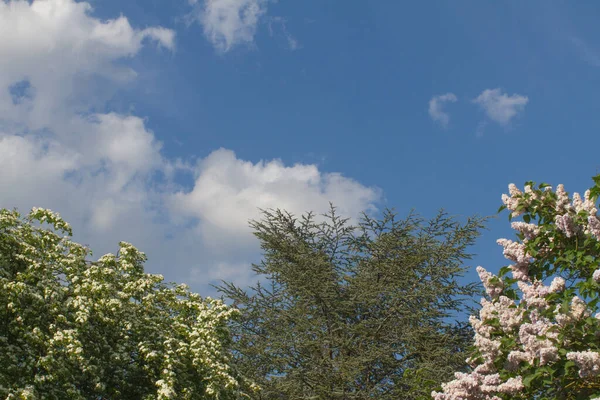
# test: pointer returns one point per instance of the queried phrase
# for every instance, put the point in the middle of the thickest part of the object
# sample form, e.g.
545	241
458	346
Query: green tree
74	329
354	312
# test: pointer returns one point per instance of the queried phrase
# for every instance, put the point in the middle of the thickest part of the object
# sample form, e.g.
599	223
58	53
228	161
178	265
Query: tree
537	334
353	312
74	329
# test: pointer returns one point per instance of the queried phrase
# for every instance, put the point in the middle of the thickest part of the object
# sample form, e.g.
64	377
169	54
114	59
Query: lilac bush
537	335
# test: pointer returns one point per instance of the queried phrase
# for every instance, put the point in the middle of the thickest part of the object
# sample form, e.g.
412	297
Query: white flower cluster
74	329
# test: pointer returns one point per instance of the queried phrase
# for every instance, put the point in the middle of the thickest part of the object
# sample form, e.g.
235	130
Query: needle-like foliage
354	311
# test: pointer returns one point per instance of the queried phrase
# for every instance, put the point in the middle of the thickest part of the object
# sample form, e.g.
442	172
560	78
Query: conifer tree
360	311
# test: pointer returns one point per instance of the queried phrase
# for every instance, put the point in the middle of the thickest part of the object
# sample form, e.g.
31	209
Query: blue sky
167	123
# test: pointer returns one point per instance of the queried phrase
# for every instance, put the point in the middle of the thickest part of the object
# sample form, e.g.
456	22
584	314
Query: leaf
528	380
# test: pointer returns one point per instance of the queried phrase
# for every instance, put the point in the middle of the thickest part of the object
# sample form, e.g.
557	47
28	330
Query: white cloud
500	107
57	48
62	149
228	23
435	108
93	167
229	191
291	41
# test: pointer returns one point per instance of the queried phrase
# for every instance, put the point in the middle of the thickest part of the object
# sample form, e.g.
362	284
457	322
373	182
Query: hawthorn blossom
79	329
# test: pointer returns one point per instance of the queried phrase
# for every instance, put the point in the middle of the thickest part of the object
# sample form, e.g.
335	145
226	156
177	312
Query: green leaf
528	380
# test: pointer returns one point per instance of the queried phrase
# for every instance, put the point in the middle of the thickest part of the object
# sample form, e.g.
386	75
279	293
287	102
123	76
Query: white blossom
75	326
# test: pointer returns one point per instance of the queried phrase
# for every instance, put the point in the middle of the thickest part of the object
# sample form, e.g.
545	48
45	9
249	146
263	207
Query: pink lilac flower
579	308
535	342
535	335
562	199
514	251
529	230
557	285
504	309
588	205
511	386
512	201
513	190
478	386
534	295
517	252
515	358
577	202
531	193
493	289
587	361
566	225
577	311
593	226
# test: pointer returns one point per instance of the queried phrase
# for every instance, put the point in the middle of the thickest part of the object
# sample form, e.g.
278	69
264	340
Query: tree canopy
75	329
354	311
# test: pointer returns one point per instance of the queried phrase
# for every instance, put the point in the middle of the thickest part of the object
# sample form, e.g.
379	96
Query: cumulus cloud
435	108
229	191
50	54
500	107
54	47
61	148
228	23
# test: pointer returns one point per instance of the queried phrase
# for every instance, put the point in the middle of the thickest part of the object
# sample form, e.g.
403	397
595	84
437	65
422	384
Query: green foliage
354	312
74	329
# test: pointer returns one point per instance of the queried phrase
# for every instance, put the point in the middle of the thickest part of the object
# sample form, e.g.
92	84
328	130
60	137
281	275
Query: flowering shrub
538	333
75	329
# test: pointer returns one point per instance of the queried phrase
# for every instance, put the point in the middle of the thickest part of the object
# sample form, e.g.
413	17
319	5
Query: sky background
168	123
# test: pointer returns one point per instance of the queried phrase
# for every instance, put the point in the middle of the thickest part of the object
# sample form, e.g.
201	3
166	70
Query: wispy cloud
228	23
292	42
589	54
500	107
435	108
